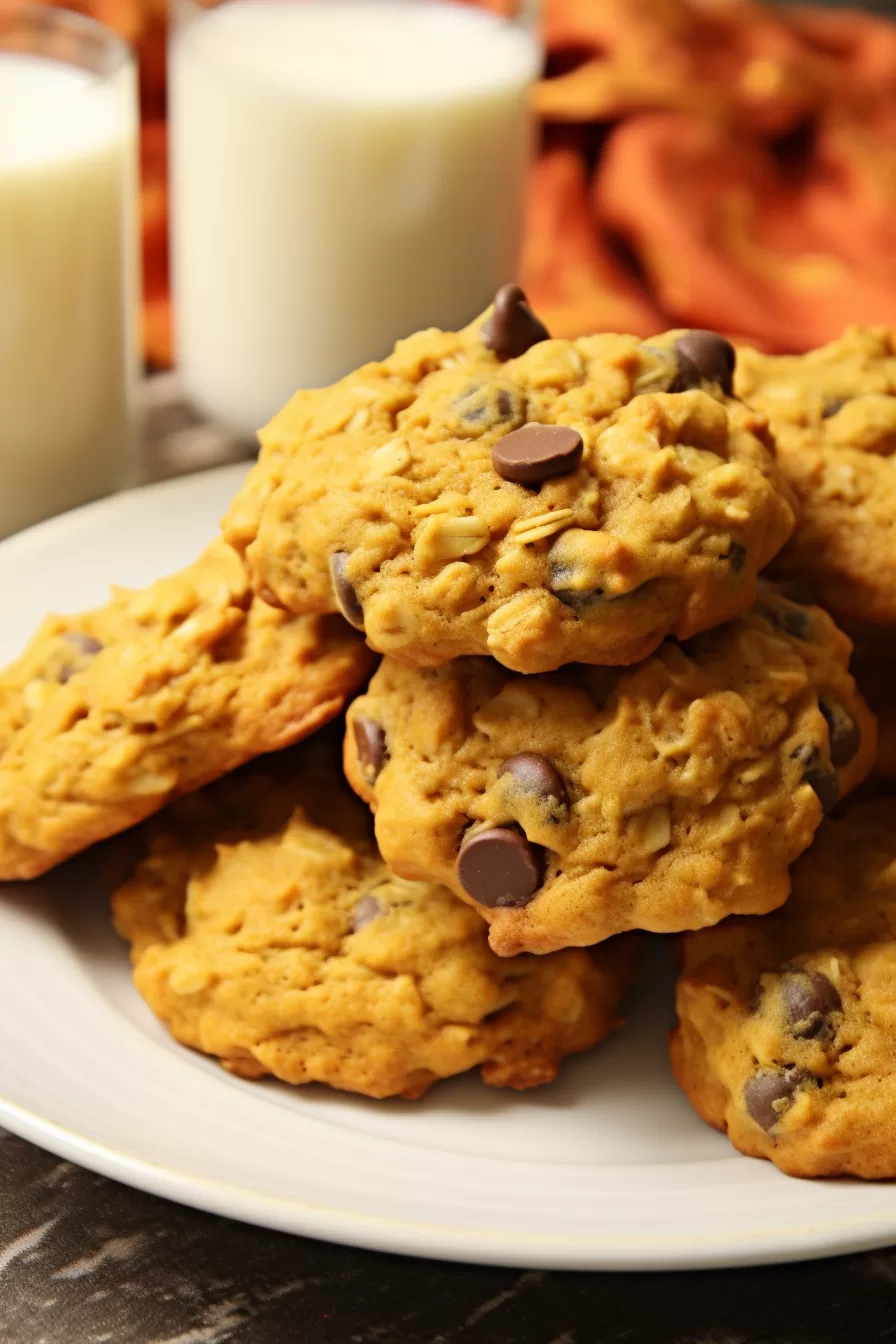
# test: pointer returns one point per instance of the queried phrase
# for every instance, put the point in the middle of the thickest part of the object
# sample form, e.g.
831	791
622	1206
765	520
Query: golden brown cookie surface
787	1025
266	930
417	497
109	714
663	797
833	415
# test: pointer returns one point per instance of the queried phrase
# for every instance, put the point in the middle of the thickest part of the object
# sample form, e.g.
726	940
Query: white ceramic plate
608	1169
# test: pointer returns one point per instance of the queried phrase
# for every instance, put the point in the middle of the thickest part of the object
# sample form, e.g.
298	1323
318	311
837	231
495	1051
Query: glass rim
49	21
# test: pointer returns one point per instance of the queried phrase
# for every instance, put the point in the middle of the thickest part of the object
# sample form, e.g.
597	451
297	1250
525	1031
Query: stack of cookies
591	716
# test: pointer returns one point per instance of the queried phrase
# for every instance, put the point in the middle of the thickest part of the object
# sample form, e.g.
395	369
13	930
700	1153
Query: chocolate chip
818	776
534	774
483	405
365	912
843	734
370	744
500	868
536	453
687	374
512	328
831	407
790	620
81	643
346	596
809	998
736	557
580	600
713	356
770	1093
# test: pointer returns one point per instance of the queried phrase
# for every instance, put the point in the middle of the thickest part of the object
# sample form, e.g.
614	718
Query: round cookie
787	1025
574	806
267	931
109	714
833	415
494	491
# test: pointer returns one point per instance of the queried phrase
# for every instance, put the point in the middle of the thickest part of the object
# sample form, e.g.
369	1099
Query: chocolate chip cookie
833	414
787	1025
109	714
267	931
493	491
574	806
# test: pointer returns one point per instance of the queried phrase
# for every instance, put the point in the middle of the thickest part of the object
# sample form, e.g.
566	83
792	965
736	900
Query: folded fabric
568	269
731	238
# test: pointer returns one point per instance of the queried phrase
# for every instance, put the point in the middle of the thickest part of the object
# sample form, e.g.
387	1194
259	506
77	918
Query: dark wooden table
86	1261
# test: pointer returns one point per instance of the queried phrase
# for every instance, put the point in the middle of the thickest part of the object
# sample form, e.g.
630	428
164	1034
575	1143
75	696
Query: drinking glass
69	351
344	172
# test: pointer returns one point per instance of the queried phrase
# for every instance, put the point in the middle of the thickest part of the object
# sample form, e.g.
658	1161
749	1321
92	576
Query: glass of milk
68	263
344	172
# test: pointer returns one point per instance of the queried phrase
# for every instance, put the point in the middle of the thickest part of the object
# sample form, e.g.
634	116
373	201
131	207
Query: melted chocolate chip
534	774
580	600
712	355
346	597
500	868
365	912
809	998
537	453
85	644
483	405
370	744
843	734
790	620
737	555
770	1093
512	328
820	777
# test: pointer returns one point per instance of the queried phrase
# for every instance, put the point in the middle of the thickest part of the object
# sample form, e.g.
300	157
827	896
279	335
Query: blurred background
708	163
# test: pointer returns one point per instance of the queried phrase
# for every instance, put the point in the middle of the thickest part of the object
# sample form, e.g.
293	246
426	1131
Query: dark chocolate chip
713	356
843	734
534	774
512	328
536	453
831	407
483	405
820	777
85	644
346	596
789	619
687	375
370	744
365	912
500	868
580	600
736	557
809	997
770	1093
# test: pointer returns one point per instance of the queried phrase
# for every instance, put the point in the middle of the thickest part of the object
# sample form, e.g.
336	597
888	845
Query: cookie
494	491
833	414
574	806
786	1033
267	931
109	714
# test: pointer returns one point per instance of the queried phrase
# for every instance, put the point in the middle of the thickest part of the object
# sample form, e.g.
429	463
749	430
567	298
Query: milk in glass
344	173
68	275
